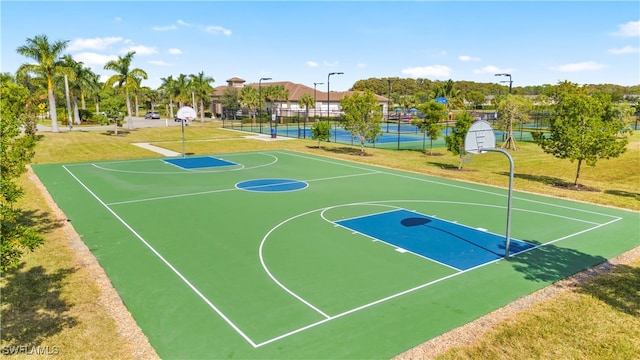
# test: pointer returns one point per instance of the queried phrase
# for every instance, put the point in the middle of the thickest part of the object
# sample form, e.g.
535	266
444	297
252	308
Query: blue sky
540	42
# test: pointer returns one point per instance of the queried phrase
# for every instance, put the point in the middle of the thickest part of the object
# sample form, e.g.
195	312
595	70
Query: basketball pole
508	235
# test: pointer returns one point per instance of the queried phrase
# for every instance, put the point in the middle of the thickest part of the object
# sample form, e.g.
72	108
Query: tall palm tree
48	64
169	88
183	88
201	87
72	68
126	78
307	101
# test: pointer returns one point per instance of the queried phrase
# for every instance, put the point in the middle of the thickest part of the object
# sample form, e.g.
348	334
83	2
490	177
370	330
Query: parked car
152	115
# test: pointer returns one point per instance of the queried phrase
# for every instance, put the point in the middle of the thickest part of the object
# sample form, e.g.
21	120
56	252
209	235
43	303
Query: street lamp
388	104
315	104
260	101
510	82
328	103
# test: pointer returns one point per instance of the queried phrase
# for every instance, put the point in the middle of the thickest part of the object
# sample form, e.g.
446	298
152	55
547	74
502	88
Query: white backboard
186	113
480	136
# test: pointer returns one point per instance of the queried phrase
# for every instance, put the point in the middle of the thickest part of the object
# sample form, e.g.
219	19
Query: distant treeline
408	86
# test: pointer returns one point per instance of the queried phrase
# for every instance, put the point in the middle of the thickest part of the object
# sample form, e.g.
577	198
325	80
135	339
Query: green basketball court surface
278	254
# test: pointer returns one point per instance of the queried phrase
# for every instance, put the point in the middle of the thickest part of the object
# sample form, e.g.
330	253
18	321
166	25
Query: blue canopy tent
442	100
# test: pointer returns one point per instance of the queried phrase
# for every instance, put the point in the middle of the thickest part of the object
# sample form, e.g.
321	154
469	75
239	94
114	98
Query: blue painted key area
448	243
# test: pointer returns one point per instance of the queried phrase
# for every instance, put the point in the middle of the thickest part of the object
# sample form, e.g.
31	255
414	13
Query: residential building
324	105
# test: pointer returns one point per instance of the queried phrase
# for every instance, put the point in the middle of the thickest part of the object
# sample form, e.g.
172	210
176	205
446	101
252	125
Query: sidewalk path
157	149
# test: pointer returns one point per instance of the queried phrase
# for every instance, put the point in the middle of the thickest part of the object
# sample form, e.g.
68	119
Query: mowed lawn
56	301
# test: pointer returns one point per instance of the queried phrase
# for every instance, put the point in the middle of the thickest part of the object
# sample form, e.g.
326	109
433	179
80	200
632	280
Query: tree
48	65
362	116
307	101
476	98
584	128
249	98
16	151
230	100
126	78
455	141
169	89
201	87
72	70
430	125
512	109
321	131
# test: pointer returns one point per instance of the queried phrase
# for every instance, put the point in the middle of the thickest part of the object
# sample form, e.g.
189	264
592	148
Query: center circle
271	185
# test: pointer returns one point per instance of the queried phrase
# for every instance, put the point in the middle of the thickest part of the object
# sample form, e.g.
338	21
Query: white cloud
468	58
490	69
215	30
630	29
311	63
625	50
141	50
175	51
328	64
117	19
577	67
164	28
361	65
93	43
183	23
159	63
89	58
435	71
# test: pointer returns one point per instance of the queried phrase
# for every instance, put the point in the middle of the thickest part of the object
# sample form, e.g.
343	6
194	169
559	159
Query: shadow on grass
40	220
547	180
449	166
618	289
345	150
113	133
32	308
633	195
550	263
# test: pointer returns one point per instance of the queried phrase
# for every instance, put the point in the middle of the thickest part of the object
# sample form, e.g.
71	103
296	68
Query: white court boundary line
328	317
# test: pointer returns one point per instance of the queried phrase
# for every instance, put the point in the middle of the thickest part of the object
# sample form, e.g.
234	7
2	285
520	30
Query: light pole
510	82
315	104
388	104
328	102
260	101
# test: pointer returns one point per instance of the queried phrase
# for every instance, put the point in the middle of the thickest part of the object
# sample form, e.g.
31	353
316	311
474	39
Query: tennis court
279	254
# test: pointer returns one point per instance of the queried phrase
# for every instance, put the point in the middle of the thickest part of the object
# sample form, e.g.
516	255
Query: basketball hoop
480	139
465	157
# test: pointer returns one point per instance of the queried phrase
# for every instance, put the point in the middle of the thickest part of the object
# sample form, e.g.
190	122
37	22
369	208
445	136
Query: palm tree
201	87
307	101
183	88
72	68
47	57
249	98
169	88
94	90
126	78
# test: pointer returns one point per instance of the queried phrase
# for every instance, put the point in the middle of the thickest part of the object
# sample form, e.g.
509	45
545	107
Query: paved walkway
157	149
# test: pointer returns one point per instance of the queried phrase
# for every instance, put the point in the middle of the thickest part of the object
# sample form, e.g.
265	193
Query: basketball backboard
479	137
186	113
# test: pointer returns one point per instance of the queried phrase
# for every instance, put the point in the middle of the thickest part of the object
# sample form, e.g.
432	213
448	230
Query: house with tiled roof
324	104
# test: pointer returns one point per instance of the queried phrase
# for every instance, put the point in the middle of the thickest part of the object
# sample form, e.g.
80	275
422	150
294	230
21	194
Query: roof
297	90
